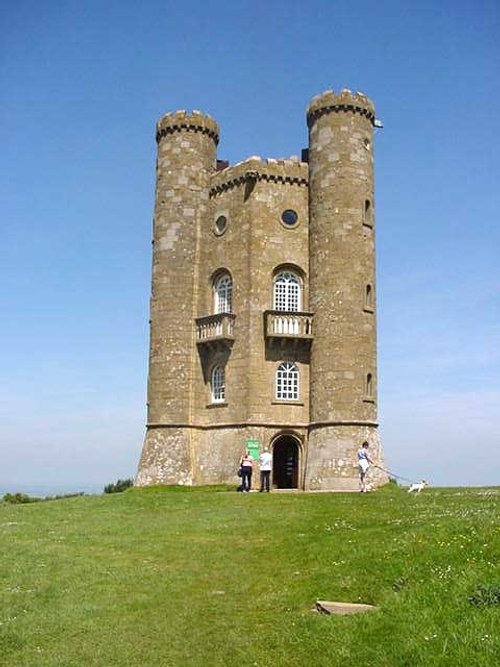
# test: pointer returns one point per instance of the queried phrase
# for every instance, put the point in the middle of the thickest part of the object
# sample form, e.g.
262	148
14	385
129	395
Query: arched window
223	292
287	382
287	292
218	384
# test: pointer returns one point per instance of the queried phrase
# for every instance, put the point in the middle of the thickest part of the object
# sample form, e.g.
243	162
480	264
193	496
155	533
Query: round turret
342	280
186	161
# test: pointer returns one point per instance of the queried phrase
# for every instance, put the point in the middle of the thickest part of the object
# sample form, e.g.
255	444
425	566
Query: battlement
255	168
183	121
345	101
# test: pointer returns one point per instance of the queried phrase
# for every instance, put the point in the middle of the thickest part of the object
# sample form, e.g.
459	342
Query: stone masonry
263	311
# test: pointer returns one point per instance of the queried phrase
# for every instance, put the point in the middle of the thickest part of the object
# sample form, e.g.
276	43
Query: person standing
364	462
246	466
266	465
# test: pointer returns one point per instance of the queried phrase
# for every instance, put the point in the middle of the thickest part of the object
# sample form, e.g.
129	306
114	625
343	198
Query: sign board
253	448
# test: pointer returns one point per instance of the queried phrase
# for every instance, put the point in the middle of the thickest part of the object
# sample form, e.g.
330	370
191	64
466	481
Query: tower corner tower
186	159
343	385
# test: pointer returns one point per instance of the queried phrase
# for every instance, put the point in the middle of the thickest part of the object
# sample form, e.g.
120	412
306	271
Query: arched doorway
286	451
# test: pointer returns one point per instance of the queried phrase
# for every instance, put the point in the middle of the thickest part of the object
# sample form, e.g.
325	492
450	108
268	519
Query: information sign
253	448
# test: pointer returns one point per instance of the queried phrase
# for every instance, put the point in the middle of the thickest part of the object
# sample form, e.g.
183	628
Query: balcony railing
215	328
284	324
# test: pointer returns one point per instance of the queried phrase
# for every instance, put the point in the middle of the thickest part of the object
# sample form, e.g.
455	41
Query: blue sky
82	87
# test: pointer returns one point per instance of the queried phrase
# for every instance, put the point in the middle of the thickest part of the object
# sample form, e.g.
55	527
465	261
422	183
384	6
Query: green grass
205	577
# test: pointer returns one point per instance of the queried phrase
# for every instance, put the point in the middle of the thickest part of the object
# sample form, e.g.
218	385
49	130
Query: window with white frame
287	382
287	292
223	290
218	384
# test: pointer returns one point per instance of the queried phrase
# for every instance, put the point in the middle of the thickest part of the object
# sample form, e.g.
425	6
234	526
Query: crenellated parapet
284	171
346	101
183	121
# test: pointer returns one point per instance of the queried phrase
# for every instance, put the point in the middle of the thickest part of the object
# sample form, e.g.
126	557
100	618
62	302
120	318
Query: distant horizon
47	491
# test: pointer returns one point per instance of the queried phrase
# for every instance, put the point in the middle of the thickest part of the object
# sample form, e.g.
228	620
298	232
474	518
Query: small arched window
369	385
287	292
218	384
368	213
287	382
368	297
223	294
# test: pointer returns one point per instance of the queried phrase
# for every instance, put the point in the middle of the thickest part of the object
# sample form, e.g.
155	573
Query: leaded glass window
287	292
218	384
223	289
287	382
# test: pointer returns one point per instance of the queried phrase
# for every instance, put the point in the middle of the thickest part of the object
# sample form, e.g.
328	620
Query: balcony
214	330
283	325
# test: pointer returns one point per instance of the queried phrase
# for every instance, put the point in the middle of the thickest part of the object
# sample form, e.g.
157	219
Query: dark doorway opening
286	462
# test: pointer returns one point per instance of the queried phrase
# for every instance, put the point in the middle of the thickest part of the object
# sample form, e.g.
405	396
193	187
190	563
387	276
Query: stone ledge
285	402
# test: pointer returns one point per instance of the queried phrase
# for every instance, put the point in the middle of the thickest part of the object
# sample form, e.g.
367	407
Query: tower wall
185	161
343	410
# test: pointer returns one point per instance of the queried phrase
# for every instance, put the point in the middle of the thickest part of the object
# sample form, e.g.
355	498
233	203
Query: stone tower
343	382
263	330
186	160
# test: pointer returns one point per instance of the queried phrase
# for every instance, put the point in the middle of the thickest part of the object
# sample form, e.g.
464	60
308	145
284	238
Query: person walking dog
364	462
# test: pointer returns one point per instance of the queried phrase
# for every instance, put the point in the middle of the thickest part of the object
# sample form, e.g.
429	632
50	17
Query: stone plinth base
332	458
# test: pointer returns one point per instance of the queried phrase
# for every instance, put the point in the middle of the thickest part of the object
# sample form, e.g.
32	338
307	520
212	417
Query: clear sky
83	84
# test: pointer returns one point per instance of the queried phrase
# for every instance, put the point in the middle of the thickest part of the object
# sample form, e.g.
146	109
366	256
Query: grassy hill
206	577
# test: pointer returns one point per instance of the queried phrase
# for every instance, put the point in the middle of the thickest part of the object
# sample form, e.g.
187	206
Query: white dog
417	487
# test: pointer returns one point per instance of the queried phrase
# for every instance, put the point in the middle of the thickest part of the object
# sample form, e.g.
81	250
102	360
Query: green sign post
253	448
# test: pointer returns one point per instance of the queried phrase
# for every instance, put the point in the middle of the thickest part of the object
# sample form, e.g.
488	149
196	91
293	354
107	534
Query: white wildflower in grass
441	571
339	525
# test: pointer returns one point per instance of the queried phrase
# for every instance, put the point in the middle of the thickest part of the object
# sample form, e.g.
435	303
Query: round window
289	217
220	225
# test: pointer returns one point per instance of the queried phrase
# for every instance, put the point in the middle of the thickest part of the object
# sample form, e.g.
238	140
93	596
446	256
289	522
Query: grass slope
204	577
